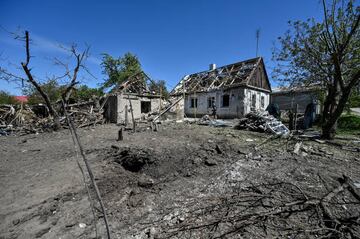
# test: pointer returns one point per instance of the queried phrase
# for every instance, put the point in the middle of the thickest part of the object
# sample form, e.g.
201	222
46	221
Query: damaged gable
135	84
259	78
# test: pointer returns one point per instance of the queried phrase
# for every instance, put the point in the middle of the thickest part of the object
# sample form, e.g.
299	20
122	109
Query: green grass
349	122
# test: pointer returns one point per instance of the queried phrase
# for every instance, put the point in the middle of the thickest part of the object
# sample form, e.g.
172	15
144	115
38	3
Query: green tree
85	93
6	98
119	69
324	53
159	87
50	87
55	92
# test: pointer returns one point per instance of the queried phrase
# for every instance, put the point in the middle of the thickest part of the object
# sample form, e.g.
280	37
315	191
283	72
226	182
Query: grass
349	122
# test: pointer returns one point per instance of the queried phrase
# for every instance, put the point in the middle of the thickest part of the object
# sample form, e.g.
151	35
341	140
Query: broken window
145	106
262	101
253	102
225	101
211	101
193	102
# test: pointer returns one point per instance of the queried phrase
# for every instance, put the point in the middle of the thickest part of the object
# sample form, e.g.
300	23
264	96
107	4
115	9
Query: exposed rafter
235	74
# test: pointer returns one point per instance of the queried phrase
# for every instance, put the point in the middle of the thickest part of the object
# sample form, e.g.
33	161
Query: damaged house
297	98
132	99
235	89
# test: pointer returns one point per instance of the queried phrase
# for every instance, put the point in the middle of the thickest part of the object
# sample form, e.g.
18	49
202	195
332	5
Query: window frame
193	102
211	101
253	102
262	101
228	101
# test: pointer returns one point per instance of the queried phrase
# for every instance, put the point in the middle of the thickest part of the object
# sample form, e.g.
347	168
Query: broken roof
138	83
233	75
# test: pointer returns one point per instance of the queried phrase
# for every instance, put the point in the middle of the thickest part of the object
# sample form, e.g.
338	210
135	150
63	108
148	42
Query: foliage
119	69
55	91
349	122
50	87
323	53
85	93
6	98
305	57
159	87
354	100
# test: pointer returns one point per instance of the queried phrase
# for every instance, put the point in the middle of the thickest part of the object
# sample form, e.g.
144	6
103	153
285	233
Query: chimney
212	66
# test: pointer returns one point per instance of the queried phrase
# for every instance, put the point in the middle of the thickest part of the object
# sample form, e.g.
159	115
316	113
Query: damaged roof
138	83
250	73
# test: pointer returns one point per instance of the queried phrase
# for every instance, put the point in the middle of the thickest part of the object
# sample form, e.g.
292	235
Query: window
253	102
193	102
211	101
225	101
145	106
262	101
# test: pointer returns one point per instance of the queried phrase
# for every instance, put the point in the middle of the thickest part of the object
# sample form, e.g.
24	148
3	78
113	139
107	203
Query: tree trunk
329	126
52	111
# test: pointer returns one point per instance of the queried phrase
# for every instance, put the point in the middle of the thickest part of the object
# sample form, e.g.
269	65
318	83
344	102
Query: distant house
291	97
22	99
134	94
235	89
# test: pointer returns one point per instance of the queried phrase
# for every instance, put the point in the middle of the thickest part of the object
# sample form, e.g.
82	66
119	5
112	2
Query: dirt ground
183	181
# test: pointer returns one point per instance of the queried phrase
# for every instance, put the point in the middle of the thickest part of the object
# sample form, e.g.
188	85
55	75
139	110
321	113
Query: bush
6	98
349	122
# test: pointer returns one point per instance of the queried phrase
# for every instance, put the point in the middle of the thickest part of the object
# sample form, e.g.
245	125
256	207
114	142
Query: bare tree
71	74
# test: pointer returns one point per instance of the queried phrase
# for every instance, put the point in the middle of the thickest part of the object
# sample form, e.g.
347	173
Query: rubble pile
84	114
206	120
262	122
23	119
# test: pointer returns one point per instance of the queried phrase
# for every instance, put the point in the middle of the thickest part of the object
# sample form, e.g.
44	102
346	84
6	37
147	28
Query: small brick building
134	94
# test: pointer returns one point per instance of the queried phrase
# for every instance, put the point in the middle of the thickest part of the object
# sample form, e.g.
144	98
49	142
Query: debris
320	141
210	162
241	152
297	148
151	232
262	122
16	222
42	232
196	161
206	120
218	150
257	157
23	119
82	225
145	182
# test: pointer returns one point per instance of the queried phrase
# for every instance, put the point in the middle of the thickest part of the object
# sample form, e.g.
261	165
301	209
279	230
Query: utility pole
257	41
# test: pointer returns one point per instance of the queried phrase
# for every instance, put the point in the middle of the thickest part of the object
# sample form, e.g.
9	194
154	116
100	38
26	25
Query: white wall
123	101
240	100
258	94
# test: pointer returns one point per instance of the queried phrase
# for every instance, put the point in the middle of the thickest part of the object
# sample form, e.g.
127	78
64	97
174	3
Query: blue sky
171	38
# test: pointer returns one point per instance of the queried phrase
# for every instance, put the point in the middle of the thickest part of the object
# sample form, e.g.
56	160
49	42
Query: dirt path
150	181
